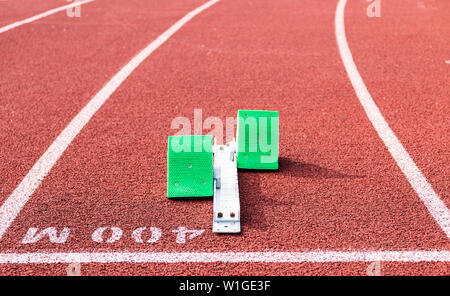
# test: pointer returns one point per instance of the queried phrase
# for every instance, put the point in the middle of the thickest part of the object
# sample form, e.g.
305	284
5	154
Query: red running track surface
337	189
13	11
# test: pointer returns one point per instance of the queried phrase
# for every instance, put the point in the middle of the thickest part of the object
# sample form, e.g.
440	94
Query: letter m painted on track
33	236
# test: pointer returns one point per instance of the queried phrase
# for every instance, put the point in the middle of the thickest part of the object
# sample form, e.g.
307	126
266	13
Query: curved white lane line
419	183
15	202
235	257
42	15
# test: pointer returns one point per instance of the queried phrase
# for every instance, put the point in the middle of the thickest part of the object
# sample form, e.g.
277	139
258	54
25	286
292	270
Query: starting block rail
226	207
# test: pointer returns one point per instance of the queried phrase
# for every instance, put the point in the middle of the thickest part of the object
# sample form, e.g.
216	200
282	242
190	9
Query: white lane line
42	15
433	203
15	202
236	257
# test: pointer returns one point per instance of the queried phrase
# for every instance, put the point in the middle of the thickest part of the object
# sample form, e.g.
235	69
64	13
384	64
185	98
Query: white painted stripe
433	203
234	257
42	15
15	202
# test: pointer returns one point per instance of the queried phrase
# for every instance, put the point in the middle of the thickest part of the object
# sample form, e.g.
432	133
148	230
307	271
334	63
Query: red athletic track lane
16	10
51	68
223	269
401	57
338	188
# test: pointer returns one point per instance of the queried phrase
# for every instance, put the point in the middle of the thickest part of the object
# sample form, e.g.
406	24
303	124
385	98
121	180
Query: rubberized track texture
87	104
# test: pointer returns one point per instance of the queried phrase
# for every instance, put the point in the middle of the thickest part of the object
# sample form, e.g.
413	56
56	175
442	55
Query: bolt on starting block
198	168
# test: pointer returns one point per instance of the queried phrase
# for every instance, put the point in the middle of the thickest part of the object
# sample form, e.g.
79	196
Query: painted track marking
236	257
419	183
42	15
20	196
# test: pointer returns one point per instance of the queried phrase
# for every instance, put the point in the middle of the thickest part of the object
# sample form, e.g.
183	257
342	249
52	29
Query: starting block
197	168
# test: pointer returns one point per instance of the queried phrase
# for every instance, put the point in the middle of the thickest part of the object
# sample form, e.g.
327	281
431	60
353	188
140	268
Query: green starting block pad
190	166
257	140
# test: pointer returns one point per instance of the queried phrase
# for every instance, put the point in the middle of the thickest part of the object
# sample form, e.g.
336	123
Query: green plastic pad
257	140
189	166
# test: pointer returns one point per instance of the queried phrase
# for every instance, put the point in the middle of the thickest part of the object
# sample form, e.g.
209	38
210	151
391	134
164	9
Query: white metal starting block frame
226	160
226	206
